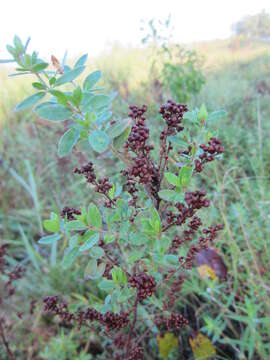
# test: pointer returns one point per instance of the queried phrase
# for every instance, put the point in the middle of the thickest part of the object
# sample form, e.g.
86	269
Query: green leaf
60	96
119	141
30	101
202	116
100	271
118	275
11	50
97	252
137	239
18	44
75	225
77	96
99	140
155	221
104	117
86	236
53	112
91	269
67	141
106	285
185	175
111	192
171	259
39	67
135	256
94	217
52	224
94	271
81	61
216	115
69	76
38	86
69	257
167	195
49	239
99	101
172	179
109	238
2	61
125	294
166	344
91	80
118	128
92	241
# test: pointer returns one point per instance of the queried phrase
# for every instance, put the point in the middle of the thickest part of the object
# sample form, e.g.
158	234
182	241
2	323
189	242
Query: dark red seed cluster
88	172
210	235
131	186
115	321
172	322
107	273
213	148
144	284
13	275
191	254
32	307
173	114
101	186
177	242
136	353
139	134
193	225
120	340
172	293
175	321
68	213
142	169
52	304
196	200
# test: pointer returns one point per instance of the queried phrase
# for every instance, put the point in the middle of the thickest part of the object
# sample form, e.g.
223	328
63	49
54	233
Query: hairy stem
135	308
5	342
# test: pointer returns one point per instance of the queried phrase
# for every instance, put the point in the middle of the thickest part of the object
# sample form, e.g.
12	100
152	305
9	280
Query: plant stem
5	342
135	308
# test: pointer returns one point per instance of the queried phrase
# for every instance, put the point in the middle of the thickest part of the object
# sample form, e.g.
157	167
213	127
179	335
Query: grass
234	314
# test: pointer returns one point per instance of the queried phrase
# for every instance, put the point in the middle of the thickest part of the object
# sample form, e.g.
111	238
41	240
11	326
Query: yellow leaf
202	347
166	344
206	271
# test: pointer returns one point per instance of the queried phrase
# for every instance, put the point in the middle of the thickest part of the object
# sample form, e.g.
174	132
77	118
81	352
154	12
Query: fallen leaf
206	271
202	347
212	260
166	344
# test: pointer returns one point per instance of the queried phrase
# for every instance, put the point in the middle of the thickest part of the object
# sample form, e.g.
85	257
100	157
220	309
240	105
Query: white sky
90	25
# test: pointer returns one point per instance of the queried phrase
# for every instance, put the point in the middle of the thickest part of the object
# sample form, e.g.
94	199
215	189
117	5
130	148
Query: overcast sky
91	25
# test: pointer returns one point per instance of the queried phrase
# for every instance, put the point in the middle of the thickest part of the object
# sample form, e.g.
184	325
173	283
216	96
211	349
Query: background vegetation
235	76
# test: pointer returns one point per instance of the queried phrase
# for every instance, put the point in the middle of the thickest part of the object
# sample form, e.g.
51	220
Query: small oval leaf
52	111
69	76
91	80
99	141
67	141
90	243
118	128
49	239
30	101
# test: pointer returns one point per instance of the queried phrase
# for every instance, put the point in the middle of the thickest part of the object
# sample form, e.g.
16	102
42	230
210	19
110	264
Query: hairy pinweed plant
175	70
141	236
